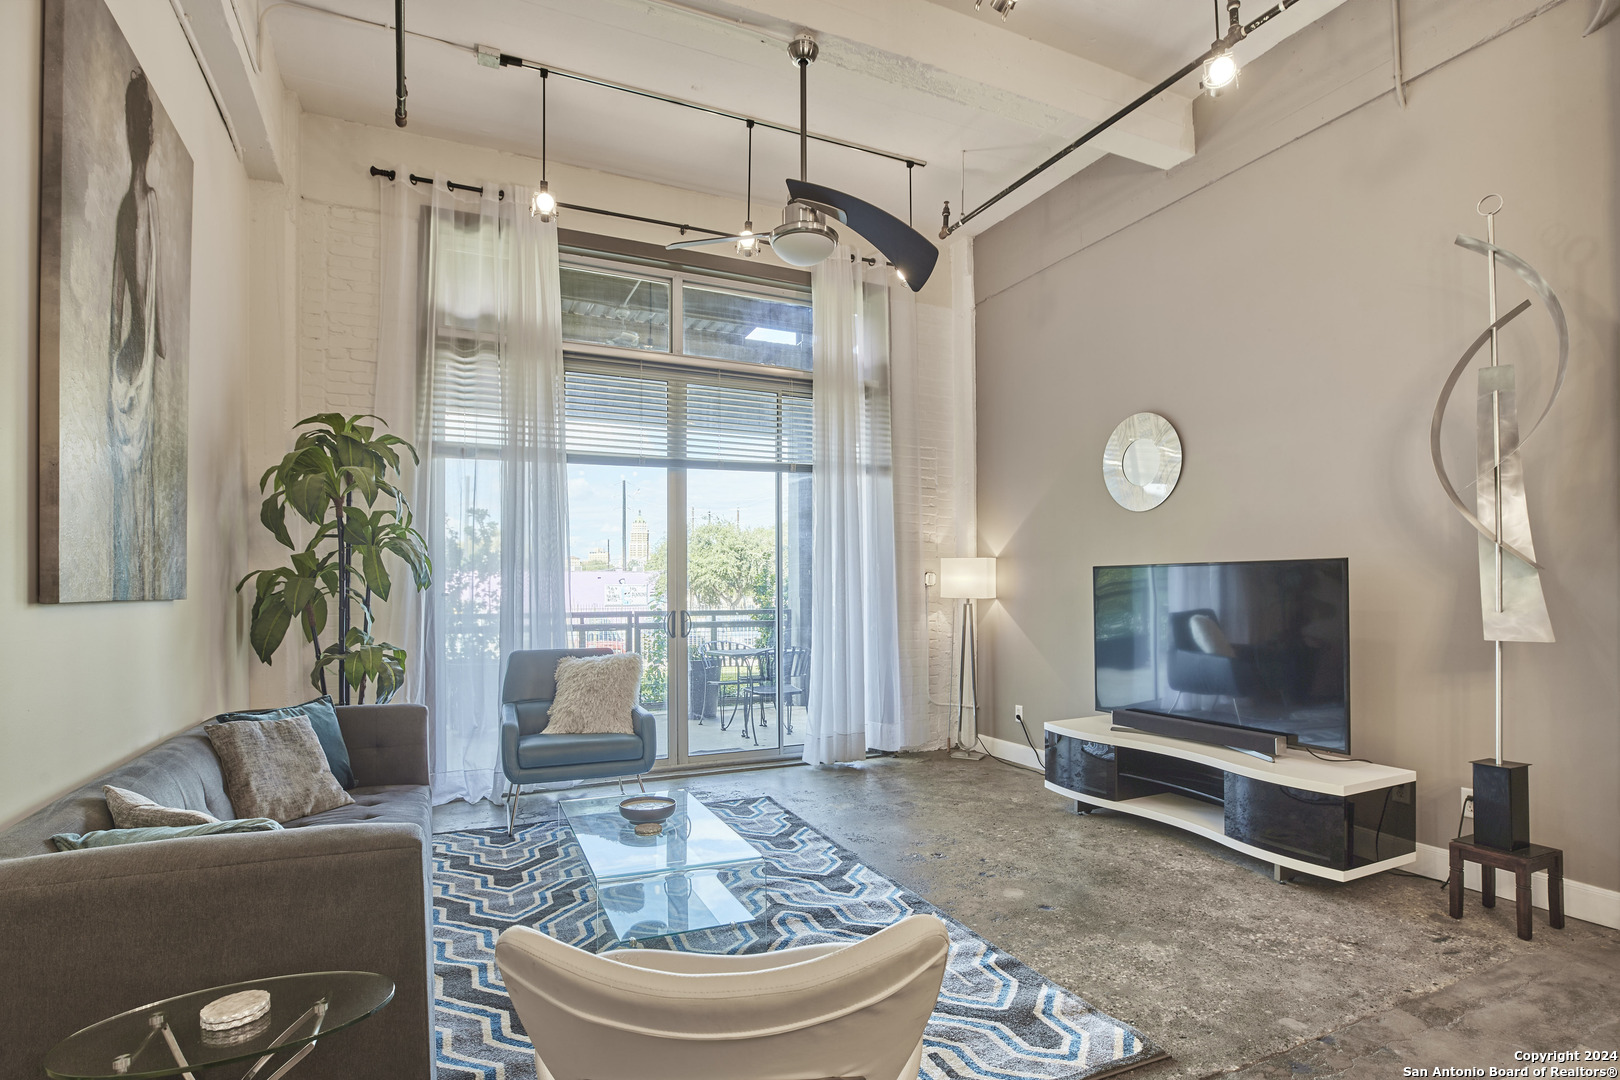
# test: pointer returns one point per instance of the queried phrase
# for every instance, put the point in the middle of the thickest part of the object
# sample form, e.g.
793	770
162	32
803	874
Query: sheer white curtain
858	696
470	347
911	726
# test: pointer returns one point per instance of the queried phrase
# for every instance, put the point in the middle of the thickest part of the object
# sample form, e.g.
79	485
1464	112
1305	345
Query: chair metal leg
512	810
640	784
621	784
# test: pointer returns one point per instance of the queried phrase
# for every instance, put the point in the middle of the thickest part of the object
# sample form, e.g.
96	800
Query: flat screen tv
1260	645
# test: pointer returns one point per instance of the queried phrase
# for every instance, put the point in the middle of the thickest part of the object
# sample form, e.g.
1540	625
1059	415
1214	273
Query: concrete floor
1195	944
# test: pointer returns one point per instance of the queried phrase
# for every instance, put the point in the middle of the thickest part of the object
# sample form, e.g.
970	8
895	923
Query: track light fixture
544	205
1221	69
1000	7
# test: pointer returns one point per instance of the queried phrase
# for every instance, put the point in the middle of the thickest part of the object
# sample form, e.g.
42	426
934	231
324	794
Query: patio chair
795	679
703	687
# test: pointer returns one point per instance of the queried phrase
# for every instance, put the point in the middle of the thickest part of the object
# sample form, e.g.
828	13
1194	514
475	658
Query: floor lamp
967	580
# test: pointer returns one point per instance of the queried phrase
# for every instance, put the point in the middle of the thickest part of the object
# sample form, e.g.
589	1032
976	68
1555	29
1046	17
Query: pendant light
747	242
910	210
1221	69
544	206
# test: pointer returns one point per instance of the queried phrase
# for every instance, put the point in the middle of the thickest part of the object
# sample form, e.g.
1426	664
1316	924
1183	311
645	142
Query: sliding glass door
689	501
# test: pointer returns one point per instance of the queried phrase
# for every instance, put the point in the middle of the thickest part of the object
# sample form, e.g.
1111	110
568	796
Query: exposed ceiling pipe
1395	43
1238	29
399	63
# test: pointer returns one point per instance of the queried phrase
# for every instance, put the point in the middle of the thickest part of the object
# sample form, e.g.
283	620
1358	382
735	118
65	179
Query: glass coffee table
166	1038
668	882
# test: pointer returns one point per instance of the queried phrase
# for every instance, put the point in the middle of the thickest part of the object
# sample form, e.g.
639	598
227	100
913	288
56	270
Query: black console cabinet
1336	819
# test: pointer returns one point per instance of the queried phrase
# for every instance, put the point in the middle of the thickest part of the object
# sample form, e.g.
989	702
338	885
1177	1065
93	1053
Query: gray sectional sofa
86	934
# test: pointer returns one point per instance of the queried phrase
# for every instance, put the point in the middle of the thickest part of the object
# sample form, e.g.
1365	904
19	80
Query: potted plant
342	478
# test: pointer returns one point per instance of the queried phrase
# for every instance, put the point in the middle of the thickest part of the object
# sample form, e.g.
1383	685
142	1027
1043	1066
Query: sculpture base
1501	804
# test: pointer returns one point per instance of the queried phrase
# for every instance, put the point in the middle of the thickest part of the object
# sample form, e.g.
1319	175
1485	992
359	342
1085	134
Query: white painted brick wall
338	294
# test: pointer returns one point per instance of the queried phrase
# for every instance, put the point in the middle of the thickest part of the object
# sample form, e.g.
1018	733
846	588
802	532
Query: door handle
686	623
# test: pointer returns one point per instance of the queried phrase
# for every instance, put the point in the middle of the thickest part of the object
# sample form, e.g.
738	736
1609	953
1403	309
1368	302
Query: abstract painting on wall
114	325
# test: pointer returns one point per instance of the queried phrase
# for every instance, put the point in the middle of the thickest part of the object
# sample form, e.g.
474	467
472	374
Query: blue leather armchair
530	757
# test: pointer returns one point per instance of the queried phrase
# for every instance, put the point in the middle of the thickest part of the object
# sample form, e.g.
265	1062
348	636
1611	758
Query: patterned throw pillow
132	810
595	695
275	768
323	718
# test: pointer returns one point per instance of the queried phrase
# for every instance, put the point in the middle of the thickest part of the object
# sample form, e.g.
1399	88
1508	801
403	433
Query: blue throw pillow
323	718
113	837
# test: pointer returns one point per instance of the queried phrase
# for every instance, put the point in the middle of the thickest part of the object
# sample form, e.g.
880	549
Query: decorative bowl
234	1010
647	809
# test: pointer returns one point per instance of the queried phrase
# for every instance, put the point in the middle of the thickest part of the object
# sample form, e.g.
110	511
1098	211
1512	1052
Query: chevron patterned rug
996	1019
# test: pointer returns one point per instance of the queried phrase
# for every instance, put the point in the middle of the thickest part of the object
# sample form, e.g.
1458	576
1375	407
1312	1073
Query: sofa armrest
87	934
646	726
388	744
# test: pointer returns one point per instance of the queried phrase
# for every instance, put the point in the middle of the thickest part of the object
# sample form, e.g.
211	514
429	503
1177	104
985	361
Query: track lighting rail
508	60
684	228
1188	69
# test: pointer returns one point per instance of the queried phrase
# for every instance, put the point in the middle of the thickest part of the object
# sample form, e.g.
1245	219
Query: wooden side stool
1524	862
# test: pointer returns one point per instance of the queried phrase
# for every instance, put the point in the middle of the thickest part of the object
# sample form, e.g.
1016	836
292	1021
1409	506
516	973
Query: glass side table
166	1037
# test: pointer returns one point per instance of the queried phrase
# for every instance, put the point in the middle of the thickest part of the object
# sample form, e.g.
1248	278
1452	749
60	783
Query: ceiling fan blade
910	251
705	242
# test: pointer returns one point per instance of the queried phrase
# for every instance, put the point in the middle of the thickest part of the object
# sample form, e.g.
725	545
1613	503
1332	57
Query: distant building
573	562
607	590
599	555
639	549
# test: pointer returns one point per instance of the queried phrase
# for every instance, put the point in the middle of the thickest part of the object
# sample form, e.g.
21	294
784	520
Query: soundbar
1260	743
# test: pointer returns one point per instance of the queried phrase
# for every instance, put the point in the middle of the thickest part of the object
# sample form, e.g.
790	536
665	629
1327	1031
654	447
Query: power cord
978	744
1462	816
1321	757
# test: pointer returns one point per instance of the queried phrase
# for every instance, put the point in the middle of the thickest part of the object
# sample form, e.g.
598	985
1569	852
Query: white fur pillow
595	695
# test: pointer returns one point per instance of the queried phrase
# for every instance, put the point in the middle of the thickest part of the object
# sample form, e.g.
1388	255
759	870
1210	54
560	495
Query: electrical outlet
1018	714
1467	803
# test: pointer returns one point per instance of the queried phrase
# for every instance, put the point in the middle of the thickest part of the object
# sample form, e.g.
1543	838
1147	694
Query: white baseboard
1018	752
1589	903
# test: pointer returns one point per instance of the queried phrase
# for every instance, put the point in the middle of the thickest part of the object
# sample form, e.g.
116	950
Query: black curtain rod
1265	17
453	186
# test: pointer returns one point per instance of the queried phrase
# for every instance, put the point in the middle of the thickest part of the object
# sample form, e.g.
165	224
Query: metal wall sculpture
114	320
1511	599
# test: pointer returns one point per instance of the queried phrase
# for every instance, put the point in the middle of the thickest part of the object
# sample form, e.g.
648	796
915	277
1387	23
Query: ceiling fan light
747	242
804	245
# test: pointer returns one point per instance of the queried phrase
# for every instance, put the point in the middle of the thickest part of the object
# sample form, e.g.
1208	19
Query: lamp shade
967	579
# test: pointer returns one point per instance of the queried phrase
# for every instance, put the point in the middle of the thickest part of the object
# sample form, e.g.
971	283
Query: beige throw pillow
275	768
132	810
595	695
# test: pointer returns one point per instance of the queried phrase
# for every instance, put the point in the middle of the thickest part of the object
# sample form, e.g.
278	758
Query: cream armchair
840	1010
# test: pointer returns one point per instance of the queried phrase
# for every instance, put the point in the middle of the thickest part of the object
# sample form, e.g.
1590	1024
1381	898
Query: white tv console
1339	820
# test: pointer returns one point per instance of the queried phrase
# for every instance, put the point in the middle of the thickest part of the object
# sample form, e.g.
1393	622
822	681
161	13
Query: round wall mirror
1142	461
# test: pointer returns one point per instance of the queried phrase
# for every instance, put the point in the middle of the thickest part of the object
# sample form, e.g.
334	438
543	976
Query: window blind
634	412
466	390
665	413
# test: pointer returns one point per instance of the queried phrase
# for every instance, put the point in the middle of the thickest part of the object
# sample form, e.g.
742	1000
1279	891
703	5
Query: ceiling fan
805	238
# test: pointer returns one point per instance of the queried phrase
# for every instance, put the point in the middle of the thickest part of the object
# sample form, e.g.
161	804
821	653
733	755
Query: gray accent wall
1291	299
